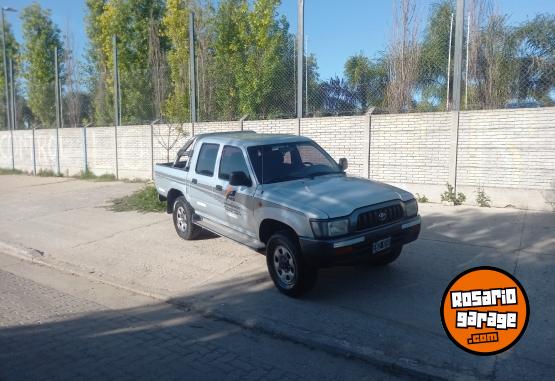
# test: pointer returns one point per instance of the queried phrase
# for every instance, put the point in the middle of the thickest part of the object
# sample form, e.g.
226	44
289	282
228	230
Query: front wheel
183	219
291	275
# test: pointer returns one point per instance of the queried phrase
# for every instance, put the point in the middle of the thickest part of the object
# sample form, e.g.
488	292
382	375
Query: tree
367	80
158	67
129	20
338	97
254	60
169	135
403	57
97	65
72	84
12	51
535	41
434	56
176	29
40	36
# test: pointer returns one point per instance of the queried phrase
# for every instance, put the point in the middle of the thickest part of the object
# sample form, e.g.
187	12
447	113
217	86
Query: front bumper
357	247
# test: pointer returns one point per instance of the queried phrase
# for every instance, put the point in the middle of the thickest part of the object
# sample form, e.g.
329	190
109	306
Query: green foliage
9	171
89	175
482	199
422	199
434	56
449	196
13	52
48	173
40	36
129	21
144	201
176	29
535	41
367	80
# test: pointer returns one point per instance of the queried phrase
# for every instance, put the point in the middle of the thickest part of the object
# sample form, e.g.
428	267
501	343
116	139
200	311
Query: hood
332	195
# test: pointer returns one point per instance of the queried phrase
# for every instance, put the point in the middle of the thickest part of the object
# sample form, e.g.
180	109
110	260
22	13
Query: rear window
207	159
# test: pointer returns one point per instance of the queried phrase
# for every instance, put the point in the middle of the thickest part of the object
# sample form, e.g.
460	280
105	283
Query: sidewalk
387	316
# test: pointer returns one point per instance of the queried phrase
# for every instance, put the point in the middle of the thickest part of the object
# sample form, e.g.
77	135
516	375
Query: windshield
289	161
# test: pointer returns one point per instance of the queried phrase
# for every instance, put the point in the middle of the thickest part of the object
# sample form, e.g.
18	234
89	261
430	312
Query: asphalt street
388	317
51	333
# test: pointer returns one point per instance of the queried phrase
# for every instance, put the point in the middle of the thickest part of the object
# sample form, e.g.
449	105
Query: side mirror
240	179
343	163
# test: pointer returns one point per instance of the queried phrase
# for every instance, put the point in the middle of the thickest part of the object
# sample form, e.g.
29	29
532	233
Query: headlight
334	228
411	208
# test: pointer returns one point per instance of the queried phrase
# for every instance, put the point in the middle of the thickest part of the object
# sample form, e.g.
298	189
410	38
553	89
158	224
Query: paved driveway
386	315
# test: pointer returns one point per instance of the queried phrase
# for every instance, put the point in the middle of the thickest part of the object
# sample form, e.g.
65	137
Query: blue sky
336	29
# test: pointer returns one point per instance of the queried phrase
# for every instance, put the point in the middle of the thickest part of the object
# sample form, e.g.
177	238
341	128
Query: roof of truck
249	138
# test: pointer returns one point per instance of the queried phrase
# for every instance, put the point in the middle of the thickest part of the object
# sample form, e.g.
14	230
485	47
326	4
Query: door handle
194	181
219	188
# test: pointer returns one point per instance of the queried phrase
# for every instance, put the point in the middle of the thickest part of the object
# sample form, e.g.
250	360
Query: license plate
381	245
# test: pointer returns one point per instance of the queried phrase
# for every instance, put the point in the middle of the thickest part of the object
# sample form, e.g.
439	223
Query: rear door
236	209
202	180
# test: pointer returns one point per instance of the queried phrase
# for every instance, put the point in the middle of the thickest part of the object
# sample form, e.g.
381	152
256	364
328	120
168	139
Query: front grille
378	217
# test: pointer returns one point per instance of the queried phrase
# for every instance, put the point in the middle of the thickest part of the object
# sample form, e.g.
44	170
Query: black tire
291	275
183	219
385	258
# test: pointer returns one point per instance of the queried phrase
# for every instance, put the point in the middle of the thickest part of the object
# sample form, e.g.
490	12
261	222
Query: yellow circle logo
485	310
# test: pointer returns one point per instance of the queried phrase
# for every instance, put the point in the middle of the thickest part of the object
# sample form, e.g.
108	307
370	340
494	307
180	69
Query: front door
202	191
235	202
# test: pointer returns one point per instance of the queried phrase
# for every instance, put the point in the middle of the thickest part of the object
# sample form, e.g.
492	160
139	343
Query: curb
401	366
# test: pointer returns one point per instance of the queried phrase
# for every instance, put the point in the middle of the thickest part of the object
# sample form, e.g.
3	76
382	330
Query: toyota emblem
382	216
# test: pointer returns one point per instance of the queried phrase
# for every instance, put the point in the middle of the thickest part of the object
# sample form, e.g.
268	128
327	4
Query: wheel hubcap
181	218
285	266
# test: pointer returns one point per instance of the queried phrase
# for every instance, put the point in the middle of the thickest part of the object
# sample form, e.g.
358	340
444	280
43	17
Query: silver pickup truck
285	196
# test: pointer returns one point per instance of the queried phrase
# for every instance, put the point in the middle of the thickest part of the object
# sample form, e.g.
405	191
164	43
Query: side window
232	161
206	160
183	161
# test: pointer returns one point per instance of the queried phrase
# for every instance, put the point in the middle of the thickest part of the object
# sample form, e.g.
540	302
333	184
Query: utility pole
457	72
117	113
306	76
466	70
12	96
8	111
192	70
57	98
449	64
300	54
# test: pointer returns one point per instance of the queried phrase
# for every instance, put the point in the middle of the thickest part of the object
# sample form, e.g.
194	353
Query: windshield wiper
322	173
283	178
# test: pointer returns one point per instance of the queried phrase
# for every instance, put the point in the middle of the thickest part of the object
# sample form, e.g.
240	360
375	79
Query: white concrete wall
511	153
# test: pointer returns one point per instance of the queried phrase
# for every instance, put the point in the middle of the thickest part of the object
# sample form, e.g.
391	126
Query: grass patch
6	171
144	200
48	173
89	175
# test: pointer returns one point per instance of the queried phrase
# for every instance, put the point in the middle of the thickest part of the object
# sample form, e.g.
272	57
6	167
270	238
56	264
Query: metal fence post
57	97
192	71
116	100
34	154
457	78
457	69
241	122
300	59
449	63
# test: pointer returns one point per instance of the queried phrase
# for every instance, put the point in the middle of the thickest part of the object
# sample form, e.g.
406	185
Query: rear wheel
183	219
291	275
